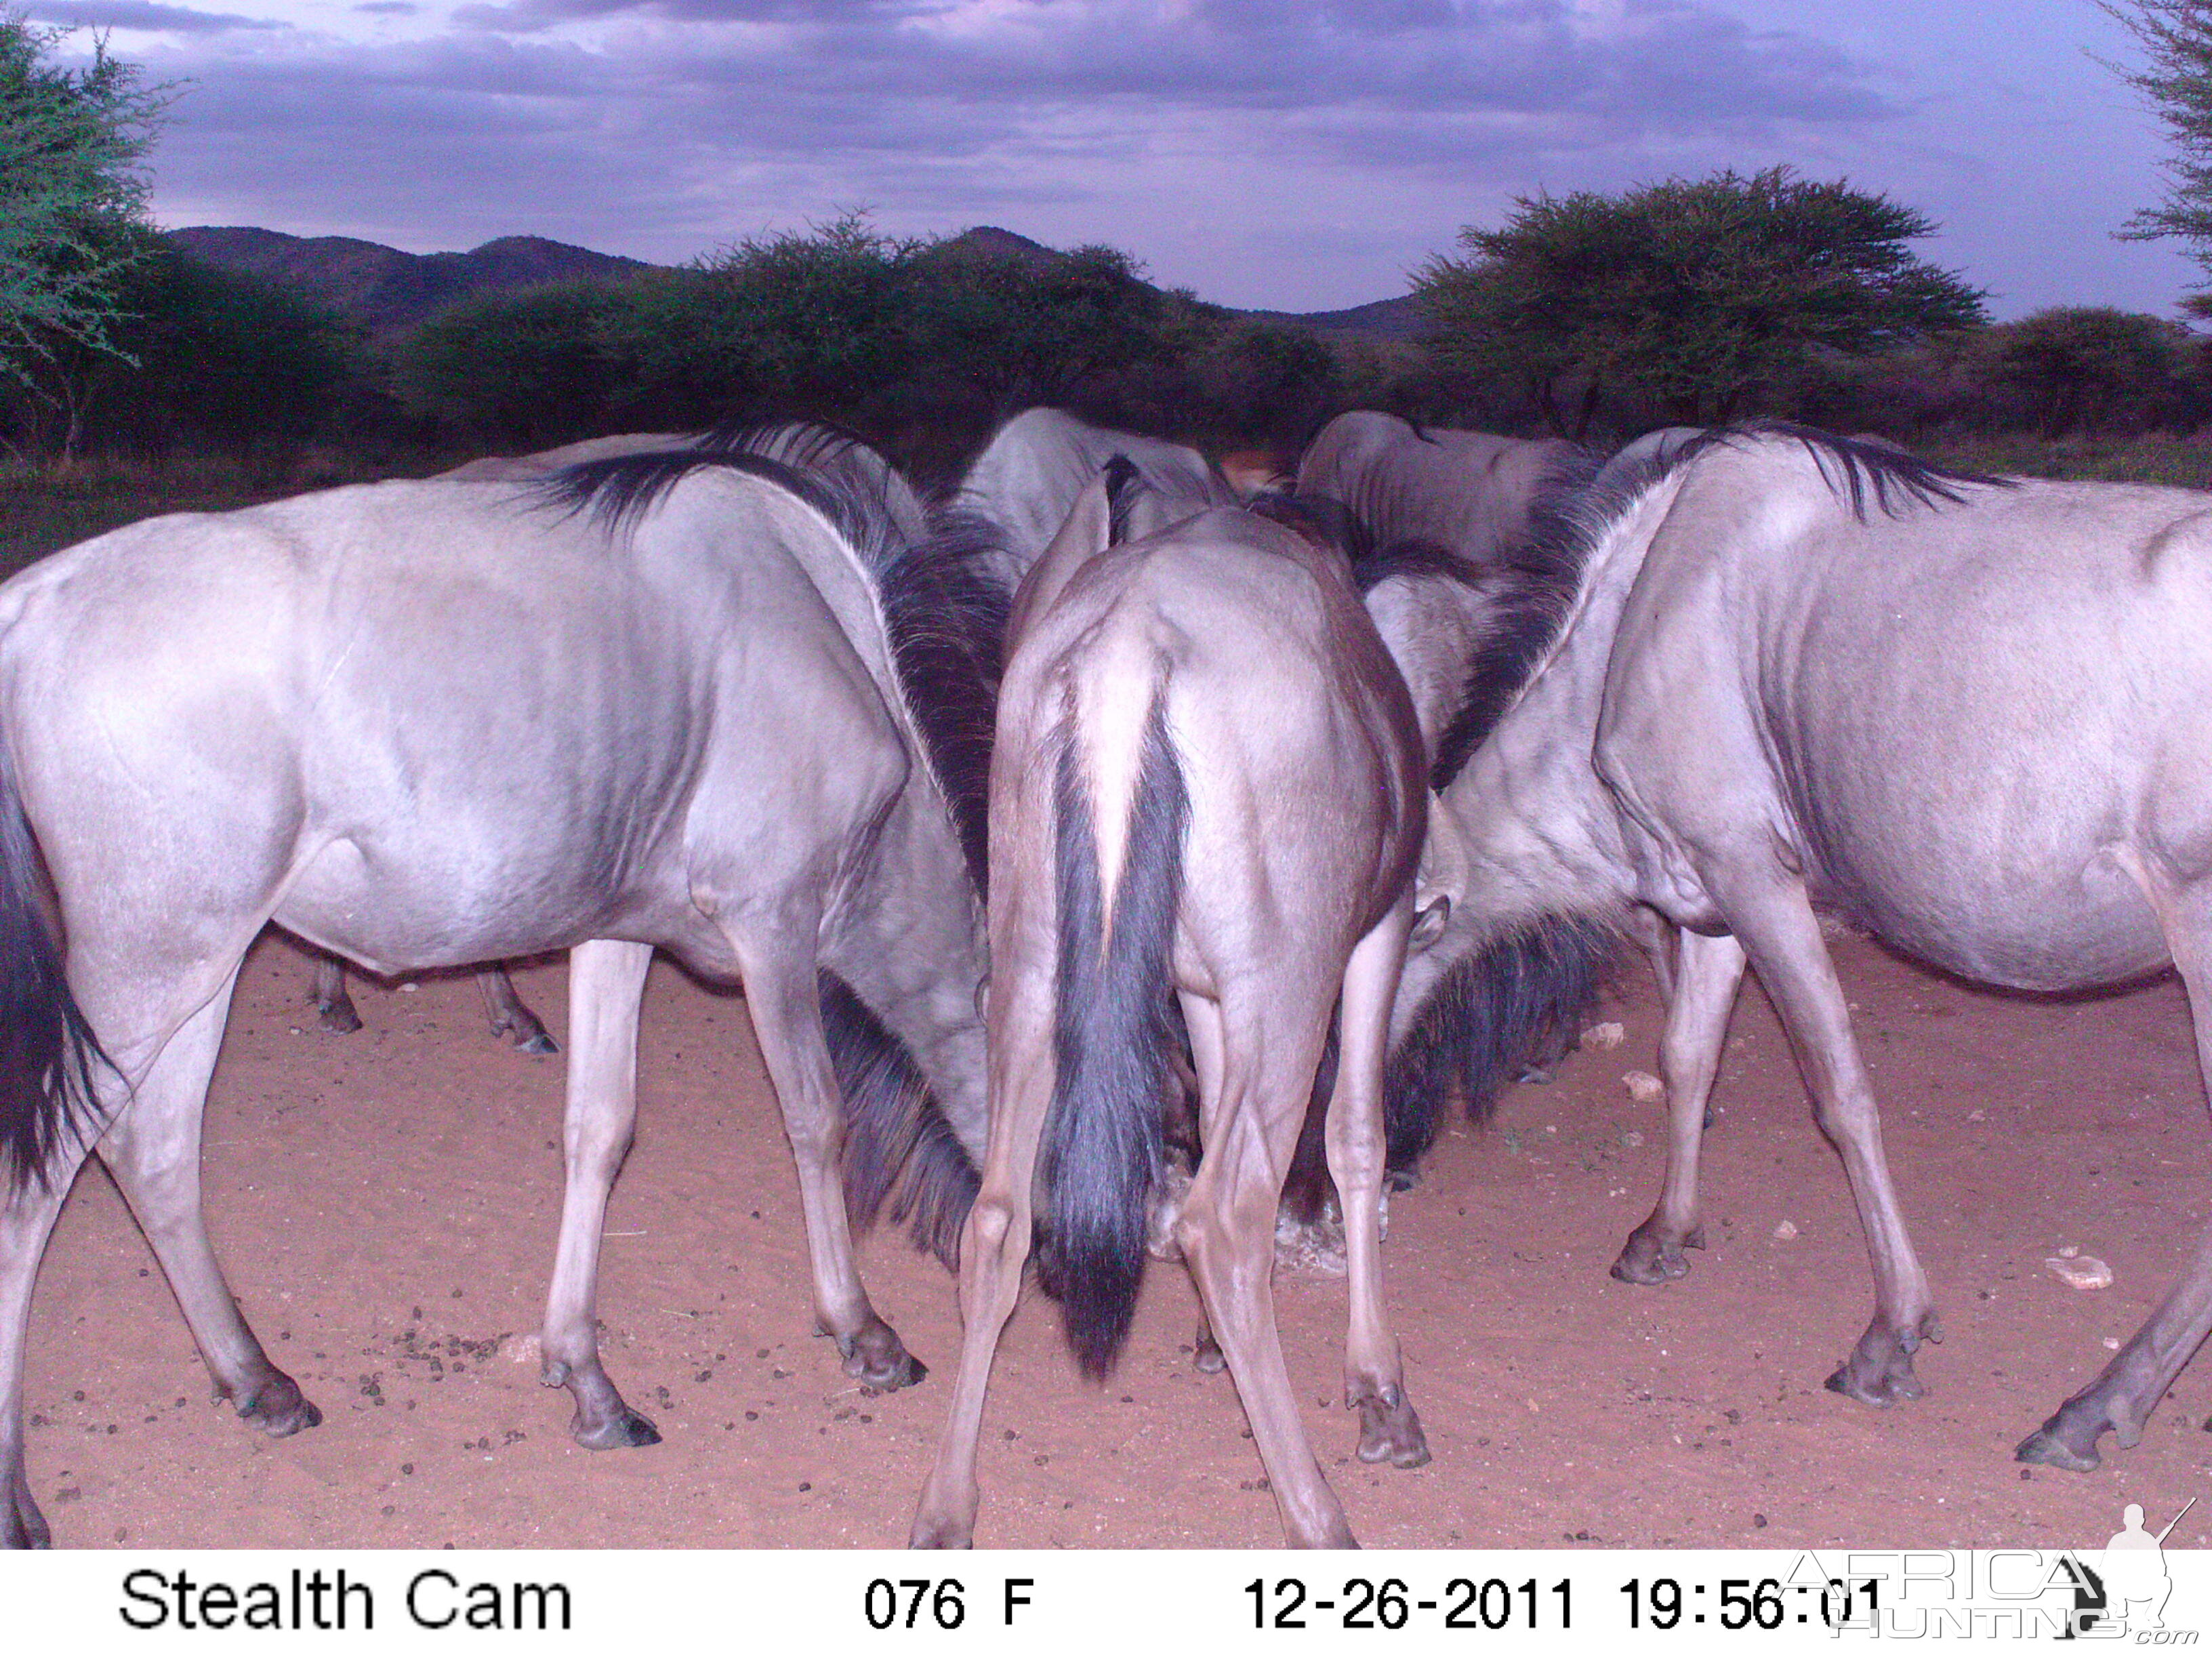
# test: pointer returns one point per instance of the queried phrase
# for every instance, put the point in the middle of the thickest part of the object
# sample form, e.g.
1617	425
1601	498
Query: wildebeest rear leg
328	994
1775	921
1689	1055
153	1148
1374	1372
783	993
26	1218
1202	1020
510	1016
606	983
2129	1389
1228	1236
995	1245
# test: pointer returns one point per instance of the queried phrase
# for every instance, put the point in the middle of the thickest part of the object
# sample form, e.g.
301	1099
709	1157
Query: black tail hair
47	1050
898	1146
1122	481
1496	1010
1111	1044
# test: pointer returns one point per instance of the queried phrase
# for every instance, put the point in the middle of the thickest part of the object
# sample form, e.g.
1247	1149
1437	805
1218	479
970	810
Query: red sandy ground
386	1204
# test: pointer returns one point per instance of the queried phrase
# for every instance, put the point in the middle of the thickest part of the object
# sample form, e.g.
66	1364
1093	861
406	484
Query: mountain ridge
388	289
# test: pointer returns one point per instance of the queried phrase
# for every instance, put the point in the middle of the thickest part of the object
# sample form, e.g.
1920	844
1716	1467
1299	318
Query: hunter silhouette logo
2136	1584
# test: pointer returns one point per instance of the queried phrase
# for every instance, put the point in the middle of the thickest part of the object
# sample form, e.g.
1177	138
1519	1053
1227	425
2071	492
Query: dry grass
43	509
2155	458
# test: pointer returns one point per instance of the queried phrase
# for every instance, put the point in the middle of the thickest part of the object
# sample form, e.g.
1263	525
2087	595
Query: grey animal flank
1207	787
510	1017
711	701
1807	672
1028	477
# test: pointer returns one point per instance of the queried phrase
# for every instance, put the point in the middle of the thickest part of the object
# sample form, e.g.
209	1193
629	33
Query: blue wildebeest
1029	474
1964	714
723	701
1456	553
1207	790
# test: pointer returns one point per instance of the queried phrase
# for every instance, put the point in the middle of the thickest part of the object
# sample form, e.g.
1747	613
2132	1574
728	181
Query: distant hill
1401	318
387	288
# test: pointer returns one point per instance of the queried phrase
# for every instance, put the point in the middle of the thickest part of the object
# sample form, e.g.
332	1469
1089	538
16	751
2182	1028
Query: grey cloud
144	14
665	139
389	7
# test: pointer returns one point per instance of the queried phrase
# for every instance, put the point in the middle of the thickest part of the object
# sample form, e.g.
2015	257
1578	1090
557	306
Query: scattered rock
2113	1343
1785	1229
1607	1034
1633	1138
2083	1273
1643	1086
2070	1251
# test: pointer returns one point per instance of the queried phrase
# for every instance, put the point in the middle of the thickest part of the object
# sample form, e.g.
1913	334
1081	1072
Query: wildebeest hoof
623	1428
278	1408
1401	1181
929	1534
539	1043
1879	1370
1535	1074
1886	1388
339	1016
1648	1258
2047	1446
880	1360
1391	1433
1207	1355
21	1526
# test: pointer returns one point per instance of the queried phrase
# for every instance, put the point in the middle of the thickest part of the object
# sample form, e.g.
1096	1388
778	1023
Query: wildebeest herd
1097	819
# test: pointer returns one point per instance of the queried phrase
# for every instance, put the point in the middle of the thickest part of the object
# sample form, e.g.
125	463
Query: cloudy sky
1292	153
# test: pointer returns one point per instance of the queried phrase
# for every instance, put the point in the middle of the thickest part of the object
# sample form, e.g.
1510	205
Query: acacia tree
1689	295
72	200
2176	37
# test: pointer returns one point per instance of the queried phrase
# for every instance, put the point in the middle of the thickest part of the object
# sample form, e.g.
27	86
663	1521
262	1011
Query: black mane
1541	576
944	619
1854	467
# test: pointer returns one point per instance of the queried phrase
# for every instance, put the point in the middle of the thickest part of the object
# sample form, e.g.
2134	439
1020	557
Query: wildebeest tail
1113	1071
47	1051
899	1147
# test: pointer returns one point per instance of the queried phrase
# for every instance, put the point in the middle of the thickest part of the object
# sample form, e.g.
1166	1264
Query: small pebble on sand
2083	1273
1643	1086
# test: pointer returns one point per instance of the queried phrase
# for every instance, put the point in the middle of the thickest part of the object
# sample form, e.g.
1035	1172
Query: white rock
2083	1273
1609	1034
1633	1138
1643	1086
2070	1251
1785	1229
